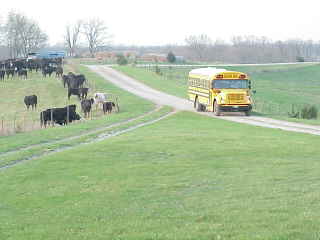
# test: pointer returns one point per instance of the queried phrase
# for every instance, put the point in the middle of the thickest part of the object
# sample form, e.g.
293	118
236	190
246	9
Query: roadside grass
54	95
278	87
185	177
155	81
51	147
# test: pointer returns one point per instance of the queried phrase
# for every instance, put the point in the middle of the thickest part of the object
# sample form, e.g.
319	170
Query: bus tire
216	109
247	113
197	105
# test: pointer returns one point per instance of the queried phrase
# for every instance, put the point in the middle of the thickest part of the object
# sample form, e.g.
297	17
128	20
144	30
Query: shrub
300	59
309	112
157	70
294	113
171	57
121	60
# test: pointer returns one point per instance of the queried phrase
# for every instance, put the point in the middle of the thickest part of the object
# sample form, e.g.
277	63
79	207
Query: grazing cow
59	71
31	100
23	73
10	72
65	80
76	81
80	92
47	70
2	74
107	107
73	91
99	98
83	92
61	116
86	106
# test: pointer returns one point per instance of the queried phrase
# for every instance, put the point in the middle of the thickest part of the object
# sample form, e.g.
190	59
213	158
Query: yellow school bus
219	90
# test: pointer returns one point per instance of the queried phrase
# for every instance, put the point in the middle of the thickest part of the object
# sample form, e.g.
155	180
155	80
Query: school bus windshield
233	84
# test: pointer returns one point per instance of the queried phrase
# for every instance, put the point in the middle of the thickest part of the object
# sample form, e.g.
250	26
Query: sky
147	22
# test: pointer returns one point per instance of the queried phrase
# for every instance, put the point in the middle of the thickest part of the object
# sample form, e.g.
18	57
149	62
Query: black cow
83	92
31	100
65	80
86	106
23	73
61	116
59	71
107	107
10	72
47	70
80	92
75	81
2	74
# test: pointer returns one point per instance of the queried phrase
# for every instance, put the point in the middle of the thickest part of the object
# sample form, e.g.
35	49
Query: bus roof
209	72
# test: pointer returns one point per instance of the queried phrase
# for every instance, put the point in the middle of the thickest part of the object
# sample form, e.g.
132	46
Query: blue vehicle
47	54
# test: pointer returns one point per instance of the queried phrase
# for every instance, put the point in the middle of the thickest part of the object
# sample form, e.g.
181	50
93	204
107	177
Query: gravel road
139	89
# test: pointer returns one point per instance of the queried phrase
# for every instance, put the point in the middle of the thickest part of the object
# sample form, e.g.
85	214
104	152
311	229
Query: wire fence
26	122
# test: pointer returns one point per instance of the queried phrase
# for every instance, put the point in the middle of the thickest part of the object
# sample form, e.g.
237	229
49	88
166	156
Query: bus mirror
249	84
254	91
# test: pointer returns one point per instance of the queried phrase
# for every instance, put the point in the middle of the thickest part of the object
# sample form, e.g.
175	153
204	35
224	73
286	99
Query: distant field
186	177
278	87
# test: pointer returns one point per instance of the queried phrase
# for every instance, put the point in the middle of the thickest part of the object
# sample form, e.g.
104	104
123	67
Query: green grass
278	87
186	177
47	147
55	95
158	82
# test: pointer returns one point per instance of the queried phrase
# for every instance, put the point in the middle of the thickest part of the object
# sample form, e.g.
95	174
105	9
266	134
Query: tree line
20	35
249	49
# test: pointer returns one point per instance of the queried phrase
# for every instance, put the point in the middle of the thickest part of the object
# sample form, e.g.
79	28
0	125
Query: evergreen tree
171	57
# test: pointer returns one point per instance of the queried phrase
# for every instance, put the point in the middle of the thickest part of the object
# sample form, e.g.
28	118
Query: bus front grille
235	97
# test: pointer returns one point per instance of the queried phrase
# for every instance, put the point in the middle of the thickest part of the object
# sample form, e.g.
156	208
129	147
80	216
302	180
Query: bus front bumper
235	108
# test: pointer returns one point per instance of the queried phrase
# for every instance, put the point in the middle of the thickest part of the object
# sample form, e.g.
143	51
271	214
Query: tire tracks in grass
13	151
86	138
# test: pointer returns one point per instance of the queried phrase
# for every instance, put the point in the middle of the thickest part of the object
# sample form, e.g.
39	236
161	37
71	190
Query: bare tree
96	35
199	44
71	37
2	32
23	35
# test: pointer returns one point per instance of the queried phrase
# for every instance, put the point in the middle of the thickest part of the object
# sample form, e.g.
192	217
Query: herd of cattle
74	83
20	67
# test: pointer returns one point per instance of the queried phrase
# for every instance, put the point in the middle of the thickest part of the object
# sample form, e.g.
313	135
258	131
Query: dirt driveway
139	89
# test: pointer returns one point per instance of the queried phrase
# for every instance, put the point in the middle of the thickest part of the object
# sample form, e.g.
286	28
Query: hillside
185	176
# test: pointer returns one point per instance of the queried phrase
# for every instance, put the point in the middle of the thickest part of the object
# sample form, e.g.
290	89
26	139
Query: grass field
186	177
278	87
55	95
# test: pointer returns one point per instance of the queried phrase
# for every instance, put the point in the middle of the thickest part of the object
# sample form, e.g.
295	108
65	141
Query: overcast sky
147	22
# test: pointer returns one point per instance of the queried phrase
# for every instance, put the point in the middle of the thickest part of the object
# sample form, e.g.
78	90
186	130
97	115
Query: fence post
14	122
68	118
24	123
117	103
51	115
2	124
